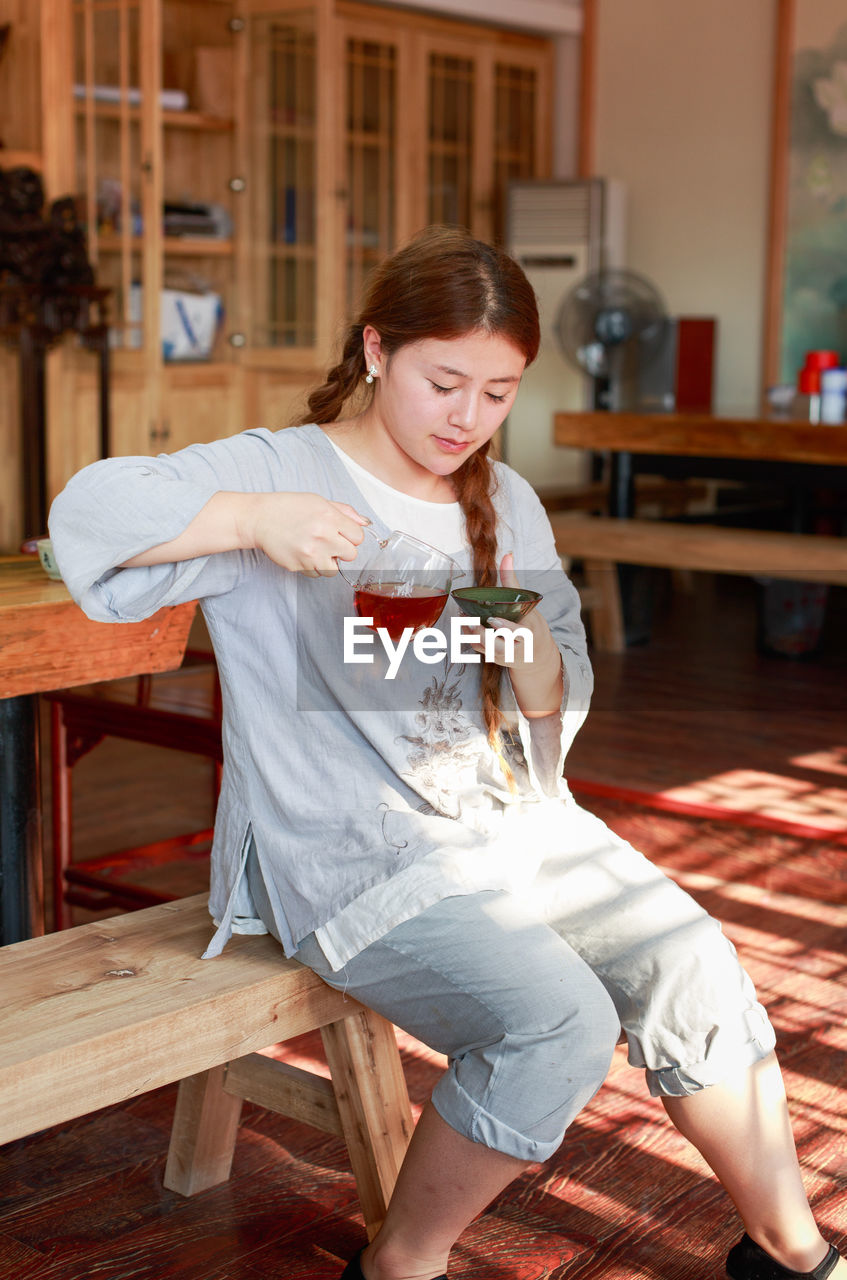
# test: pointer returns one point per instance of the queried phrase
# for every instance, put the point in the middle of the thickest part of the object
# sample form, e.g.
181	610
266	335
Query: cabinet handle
237	340
238	184
236	24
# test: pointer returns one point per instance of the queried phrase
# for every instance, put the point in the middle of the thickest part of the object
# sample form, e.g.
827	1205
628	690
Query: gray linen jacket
341	776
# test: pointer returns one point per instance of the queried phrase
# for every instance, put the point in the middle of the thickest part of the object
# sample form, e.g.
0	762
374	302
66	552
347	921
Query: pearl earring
371	374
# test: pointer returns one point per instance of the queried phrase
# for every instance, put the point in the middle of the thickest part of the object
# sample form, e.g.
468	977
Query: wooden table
798	455
46	642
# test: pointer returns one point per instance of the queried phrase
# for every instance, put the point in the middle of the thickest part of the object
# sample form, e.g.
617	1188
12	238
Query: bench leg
373	1106
605	612
203	1134
373	1112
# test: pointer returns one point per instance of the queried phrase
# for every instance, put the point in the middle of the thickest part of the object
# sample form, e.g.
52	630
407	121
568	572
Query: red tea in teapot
397	605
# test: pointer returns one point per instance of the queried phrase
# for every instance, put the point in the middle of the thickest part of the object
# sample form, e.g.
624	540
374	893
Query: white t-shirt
441	524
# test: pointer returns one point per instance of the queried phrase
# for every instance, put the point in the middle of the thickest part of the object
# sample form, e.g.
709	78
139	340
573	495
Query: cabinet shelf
280	249
382	138
297	132
178	246
196	120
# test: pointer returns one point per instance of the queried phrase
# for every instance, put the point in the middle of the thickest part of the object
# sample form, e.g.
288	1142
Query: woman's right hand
306	533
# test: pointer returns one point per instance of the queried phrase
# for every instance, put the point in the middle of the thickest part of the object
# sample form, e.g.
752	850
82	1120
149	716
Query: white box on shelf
190	324
189	321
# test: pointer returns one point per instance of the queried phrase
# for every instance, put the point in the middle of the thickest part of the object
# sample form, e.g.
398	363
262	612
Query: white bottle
833	395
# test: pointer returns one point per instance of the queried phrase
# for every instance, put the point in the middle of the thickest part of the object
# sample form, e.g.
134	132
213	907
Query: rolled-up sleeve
120	507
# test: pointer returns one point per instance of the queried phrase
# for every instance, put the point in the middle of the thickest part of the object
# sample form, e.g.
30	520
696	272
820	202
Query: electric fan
612	325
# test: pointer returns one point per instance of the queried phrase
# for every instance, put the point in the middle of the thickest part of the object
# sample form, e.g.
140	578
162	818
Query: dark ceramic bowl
511	603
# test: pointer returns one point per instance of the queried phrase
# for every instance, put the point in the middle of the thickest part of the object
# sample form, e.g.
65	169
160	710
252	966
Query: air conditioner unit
558	231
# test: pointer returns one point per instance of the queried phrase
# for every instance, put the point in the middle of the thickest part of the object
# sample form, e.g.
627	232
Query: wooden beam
289	1090
586	154
203	1134
778	204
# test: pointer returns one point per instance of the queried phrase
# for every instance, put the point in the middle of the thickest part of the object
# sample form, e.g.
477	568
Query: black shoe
353	1270
747	1261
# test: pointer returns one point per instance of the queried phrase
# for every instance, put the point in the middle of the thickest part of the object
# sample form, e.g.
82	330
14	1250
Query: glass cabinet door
451	138
370	131
155	167
340	167
521	127
202	179
109	156
487	122
283	164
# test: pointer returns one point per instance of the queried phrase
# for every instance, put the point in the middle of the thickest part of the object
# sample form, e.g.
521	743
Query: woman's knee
573	1005
520	1091
559	1029
578	1034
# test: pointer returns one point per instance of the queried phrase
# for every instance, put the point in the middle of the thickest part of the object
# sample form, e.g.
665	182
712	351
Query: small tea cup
509	603
44	547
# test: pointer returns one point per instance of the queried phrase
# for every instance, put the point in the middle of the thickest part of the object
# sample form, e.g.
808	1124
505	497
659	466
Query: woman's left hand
536	679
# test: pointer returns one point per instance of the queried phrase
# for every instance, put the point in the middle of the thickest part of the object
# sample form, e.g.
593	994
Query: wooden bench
100	1013
602	543
667	497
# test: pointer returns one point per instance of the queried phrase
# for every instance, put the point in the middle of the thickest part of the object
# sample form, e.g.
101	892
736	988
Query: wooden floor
698	713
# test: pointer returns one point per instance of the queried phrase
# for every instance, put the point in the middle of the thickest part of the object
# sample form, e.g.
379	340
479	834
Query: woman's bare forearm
302	532
226	523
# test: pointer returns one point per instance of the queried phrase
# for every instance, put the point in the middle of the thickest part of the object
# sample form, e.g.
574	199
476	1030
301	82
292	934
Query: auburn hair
443	284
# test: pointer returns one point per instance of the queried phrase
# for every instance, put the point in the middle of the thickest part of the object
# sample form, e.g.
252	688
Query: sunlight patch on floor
831	760
771	794
793	904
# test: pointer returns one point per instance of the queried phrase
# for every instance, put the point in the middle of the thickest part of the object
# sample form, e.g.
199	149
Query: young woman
412	839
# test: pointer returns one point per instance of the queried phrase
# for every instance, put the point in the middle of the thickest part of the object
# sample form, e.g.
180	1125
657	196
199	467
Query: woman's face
439	400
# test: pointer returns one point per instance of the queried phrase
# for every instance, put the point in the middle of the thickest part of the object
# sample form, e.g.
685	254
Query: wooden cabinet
487	114
149	148
265	153
436	119
366	125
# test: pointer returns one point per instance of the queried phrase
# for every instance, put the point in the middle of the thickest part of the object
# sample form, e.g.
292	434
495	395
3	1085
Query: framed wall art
807	269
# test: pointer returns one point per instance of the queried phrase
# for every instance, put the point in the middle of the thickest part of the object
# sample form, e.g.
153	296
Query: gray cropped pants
527	993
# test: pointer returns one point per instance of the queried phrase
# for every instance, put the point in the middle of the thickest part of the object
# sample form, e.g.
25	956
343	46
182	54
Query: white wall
683	118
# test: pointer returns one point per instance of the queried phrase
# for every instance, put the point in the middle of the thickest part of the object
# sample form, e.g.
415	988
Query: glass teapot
399	581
